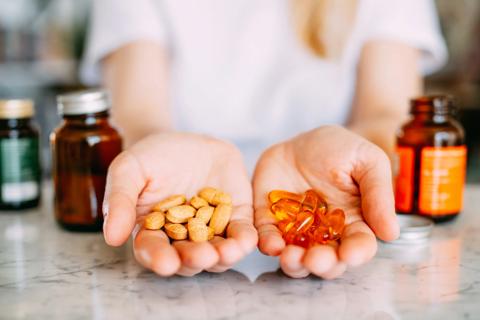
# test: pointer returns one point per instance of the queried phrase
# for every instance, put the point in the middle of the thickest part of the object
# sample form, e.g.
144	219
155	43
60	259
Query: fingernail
105	208
145	257
104	229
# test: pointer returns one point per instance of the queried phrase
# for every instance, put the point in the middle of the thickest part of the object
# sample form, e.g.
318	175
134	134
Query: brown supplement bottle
431	160
20	173
83	147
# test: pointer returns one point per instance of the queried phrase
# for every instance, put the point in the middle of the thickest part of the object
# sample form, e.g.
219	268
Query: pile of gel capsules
304	219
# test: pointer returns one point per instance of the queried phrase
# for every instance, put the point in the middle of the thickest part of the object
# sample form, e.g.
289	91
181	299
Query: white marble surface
48	273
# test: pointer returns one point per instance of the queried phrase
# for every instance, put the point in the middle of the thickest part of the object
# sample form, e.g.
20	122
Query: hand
352	174
173	163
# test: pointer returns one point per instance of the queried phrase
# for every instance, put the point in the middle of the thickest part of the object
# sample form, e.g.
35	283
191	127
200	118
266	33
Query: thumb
124	184
374	177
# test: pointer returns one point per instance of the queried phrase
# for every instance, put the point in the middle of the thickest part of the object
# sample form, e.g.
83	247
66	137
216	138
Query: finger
270	240
241	228
242	239
188	272
320	259
223	263
291	262
229	251
196	255
153	251
124	183
358	244
271	174
218	268
373	174
335	272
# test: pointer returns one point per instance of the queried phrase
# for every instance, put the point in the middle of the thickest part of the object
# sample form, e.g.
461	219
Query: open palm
178	163
351	174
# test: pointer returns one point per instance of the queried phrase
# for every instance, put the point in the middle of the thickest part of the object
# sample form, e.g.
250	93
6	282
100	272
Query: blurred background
41	45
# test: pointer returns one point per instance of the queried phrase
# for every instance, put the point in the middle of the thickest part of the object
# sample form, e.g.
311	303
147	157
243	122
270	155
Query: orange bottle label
404	179
442	177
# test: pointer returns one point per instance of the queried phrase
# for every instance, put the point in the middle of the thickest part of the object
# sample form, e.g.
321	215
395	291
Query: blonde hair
324	25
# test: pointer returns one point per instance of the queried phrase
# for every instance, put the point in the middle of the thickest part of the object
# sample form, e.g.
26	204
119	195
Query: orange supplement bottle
431	161
83	147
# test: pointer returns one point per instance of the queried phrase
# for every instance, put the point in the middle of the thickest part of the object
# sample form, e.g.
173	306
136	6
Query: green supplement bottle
20	173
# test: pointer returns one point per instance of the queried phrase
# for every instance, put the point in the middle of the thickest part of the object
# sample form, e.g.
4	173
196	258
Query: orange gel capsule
289	236
276	195
303	240
319	216
335	222
285	225
286	209
302	224
322	205
321	234
310	201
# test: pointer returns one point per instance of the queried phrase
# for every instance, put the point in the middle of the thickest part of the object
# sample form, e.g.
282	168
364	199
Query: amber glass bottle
431	154
83	147
20	172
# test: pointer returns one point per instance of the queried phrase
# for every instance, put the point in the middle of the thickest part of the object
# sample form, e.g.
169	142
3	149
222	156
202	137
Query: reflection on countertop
46	272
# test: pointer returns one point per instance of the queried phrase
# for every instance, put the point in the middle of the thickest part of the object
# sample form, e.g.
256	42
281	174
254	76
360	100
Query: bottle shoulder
430	133
66	132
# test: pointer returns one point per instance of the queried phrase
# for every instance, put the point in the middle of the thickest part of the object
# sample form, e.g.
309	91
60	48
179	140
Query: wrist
378	131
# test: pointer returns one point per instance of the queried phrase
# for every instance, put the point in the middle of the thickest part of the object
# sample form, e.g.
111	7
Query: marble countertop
48	273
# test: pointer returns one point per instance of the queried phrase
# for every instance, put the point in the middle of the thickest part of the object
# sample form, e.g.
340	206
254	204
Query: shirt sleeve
413	22
114	23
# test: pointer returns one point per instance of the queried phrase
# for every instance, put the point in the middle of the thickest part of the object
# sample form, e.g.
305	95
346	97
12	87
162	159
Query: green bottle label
19	170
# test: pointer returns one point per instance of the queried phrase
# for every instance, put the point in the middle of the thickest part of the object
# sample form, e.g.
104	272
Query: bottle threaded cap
16	109
83	102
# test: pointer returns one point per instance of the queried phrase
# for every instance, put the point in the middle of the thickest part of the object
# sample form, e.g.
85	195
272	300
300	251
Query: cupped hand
350	173
178	163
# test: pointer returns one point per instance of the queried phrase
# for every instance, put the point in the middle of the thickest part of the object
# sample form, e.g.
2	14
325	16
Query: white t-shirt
238	70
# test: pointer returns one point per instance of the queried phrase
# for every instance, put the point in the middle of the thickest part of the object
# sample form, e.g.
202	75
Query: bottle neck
431	117
436	109
15	123
86	120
